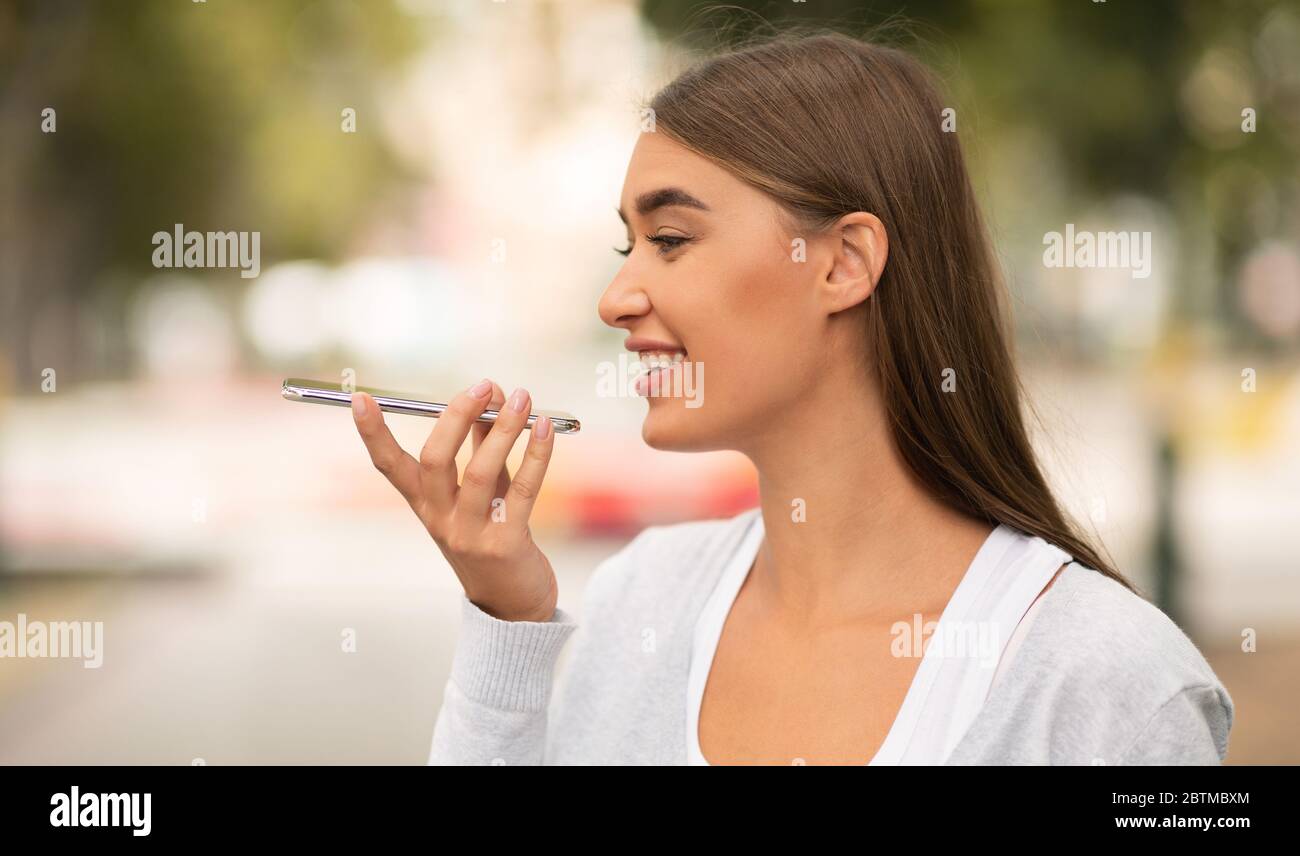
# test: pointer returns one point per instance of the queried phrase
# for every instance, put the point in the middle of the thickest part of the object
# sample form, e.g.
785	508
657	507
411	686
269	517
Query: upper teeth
661	359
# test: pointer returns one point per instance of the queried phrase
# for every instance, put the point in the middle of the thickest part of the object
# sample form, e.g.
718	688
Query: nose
623	301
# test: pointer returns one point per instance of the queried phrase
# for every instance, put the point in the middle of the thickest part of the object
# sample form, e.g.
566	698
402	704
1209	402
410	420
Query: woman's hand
480	524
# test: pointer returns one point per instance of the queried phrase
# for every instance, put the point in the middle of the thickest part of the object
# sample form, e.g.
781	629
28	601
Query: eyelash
667	243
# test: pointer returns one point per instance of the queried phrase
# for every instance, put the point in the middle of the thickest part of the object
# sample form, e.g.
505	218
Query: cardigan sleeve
1191	728
494	708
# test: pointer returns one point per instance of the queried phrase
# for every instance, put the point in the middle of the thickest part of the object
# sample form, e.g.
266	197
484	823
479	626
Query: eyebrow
664	197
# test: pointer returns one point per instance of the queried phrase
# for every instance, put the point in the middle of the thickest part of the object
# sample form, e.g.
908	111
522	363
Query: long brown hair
828	124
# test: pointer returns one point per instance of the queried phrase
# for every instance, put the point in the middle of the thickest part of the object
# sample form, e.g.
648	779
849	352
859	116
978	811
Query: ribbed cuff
508	664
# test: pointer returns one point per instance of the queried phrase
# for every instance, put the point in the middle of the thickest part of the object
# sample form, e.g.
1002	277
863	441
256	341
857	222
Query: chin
670	427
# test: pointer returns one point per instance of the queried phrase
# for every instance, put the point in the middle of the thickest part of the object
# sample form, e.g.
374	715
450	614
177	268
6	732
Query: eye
665	243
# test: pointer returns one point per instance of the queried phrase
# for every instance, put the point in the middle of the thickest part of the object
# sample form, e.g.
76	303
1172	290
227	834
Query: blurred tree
220	116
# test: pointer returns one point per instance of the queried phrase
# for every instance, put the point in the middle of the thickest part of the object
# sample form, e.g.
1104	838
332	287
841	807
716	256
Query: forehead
658	161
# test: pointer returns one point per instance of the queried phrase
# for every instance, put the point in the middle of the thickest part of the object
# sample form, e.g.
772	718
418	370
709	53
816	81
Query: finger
527	483
481	429
479	482
438	457
401	470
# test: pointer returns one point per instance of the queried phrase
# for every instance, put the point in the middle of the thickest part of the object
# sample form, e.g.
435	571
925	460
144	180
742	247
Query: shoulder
667	566
1105	660
1095	624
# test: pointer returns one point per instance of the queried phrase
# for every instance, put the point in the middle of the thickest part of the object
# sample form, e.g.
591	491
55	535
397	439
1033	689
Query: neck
849	532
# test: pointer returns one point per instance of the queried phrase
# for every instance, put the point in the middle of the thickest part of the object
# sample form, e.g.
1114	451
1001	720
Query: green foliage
216	115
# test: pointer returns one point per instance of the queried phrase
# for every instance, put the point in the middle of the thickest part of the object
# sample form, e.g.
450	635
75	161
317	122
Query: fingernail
359	404
481	388
517	400
543	429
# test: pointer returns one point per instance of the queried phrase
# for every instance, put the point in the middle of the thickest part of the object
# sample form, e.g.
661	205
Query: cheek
753	327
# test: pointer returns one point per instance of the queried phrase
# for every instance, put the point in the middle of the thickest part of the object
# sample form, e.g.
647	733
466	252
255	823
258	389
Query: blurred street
433	185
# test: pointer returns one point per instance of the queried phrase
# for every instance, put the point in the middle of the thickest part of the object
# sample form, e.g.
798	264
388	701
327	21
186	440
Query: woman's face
712	273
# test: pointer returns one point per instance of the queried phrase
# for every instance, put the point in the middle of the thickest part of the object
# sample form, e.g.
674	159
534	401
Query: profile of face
758	310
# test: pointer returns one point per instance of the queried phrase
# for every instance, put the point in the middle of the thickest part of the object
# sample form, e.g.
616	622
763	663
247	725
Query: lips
640	344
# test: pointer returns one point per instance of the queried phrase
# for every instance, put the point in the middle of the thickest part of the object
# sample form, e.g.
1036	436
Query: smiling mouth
652	361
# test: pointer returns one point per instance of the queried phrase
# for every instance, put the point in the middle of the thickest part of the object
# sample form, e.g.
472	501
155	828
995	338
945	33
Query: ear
857	247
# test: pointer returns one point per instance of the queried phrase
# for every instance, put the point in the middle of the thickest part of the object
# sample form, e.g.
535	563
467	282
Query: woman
909	590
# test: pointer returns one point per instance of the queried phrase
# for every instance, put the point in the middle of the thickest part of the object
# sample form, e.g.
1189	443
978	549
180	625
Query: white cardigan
1100	677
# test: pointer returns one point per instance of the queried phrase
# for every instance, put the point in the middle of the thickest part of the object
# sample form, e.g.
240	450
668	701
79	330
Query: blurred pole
1165	558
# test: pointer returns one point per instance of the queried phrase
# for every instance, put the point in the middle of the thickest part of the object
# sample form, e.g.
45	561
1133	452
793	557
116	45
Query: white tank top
973	640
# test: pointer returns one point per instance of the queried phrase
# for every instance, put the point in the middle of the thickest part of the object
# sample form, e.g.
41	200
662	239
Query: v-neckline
713	618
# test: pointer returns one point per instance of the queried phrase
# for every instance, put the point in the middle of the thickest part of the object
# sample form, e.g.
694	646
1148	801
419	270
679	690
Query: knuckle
476	548
476	478
430	461
458	544
524	488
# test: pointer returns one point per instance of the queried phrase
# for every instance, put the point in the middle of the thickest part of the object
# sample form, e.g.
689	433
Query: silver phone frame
389	401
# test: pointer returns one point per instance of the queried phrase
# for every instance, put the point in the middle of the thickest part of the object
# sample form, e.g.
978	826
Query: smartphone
322	392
